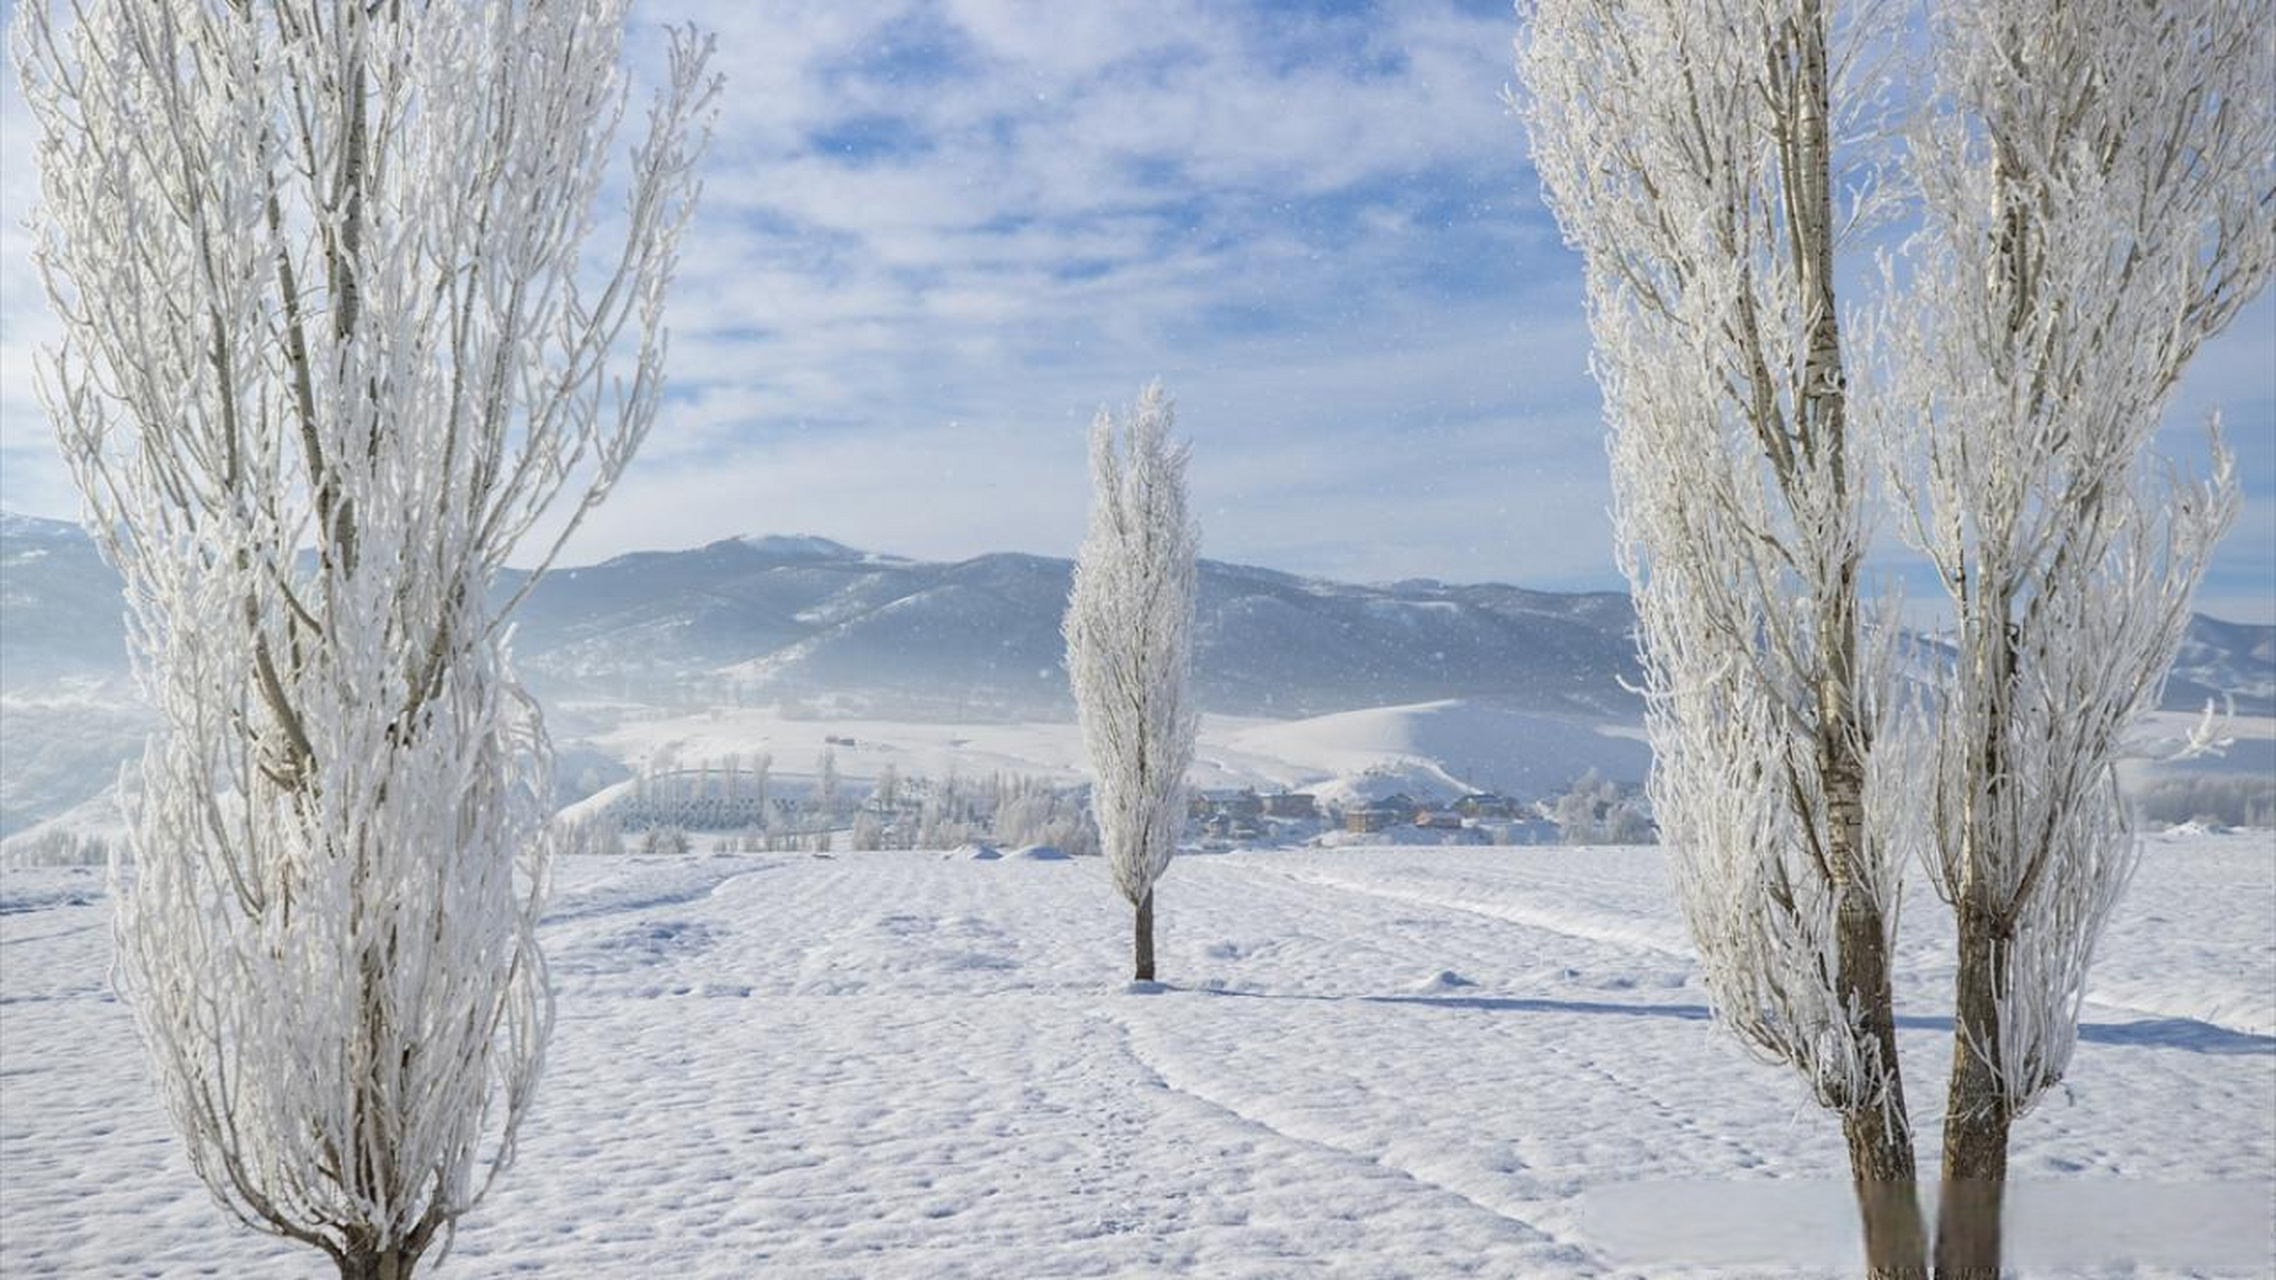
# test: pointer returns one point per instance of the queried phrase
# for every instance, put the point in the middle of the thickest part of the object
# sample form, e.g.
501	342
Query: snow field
1364	1063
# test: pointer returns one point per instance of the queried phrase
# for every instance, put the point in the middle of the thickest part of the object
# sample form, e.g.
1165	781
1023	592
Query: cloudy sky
938	234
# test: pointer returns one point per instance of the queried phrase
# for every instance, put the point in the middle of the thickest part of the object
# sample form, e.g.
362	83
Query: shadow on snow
2186	1034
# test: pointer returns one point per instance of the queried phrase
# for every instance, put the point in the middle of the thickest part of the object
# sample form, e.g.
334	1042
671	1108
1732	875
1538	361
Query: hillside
773	620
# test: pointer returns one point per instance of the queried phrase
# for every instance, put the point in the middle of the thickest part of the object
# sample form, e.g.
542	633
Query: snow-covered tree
1129	631
1689	150
665	840
1596	810
331	349
588	837
2096	190
826	783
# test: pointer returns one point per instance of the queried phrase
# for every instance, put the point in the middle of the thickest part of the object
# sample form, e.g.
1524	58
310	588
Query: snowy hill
1430	750
1441	750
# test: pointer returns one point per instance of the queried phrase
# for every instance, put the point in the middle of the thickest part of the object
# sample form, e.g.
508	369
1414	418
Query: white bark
1129	631
328	355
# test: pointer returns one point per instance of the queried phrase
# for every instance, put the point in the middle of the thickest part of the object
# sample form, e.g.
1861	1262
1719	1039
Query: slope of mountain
758	621
60	612
2222	661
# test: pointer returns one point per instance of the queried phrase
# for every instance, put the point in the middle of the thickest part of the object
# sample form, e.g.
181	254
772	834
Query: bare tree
1129	631
328	355
1687	147
2096	192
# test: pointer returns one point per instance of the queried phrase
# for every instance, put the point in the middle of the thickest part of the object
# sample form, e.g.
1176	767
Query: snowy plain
1443	748
1392	1062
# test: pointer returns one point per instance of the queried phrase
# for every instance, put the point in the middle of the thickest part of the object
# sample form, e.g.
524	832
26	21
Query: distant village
1593	812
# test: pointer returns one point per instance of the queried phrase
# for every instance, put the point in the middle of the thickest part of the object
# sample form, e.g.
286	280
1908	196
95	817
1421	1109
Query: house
1439	820
1225	826
1291	804
1371	819
1244	803
1485	804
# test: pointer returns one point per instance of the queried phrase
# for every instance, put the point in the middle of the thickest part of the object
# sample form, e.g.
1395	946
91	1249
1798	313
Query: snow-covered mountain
2223	660
777	619
818	628
60	612
769	620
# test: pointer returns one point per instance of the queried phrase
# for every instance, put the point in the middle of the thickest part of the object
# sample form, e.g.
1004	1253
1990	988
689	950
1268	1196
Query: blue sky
937	235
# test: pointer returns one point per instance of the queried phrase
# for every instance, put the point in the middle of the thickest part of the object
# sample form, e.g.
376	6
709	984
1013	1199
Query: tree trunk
1879	1131
383	1264
1975	1113
1881	1166
1888	1202
1144	939
1878	1128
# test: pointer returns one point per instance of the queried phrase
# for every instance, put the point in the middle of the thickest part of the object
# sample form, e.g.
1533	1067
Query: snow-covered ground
1367	1063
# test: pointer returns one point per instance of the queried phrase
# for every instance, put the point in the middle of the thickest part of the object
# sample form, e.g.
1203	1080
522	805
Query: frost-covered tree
1596	811
1129	631
2096	194
664	841
1689	150
826	783
331	349
593	836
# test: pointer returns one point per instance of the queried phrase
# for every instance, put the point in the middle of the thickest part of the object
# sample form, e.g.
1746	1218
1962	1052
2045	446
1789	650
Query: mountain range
774	619
805	619
808	620
826	630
